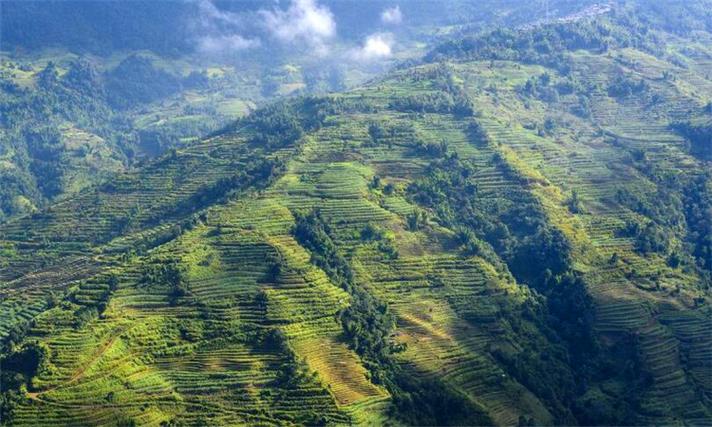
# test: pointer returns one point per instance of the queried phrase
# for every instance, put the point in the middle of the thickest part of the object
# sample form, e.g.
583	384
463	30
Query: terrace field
469	240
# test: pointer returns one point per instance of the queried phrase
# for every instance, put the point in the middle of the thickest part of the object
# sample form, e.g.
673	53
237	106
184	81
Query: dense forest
70	126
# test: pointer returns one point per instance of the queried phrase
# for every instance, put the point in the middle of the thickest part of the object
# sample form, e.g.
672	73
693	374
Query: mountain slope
481	241
86	90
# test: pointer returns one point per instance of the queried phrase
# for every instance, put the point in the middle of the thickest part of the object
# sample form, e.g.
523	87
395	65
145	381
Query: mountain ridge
475	238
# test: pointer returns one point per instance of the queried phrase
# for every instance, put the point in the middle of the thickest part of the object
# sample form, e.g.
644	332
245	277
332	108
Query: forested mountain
89	88
172	28
66	124
513	229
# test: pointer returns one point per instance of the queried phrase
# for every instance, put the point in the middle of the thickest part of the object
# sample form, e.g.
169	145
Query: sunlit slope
232	295
231	320
622	146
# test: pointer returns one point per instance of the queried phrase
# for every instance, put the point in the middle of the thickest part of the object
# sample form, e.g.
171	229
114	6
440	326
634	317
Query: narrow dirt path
82	369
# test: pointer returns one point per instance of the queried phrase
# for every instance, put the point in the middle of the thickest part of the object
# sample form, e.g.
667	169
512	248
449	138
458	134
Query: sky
300	24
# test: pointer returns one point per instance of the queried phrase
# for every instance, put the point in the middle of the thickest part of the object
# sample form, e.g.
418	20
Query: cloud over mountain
224	43
392	15
304	21
376	46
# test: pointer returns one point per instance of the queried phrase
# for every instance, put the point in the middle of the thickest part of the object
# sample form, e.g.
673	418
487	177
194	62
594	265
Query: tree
674	260
376	131
275	269
371	232
113	283
415	220
276	340
573	203
376	182
48	77
24	363
261	299
652	238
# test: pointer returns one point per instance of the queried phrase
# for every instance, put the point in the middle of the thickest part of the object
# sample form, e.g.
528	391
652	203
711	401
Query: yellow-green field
200	357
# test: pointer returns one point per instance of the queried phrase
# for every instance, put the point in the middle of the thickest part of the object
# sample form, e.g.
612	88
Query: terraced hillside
87	91
472	241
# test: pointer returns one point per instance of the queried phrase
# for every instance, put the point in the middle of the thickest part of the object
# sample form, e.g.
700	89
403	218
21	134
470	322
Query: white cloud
210	15
377	46
392	16
219	31
304	20
225	43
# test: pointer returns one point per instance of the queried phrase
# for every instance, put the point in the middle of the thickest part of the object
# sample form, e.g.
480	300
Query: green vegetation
368	326
699	135
89	91
515	231
74	124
